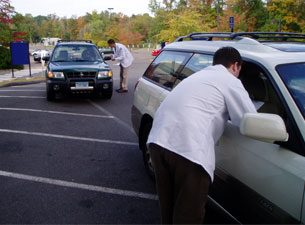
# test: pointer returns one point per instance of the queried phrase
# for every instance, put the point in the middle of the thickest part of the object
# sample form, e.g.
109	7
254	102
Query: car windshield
294	77
76	53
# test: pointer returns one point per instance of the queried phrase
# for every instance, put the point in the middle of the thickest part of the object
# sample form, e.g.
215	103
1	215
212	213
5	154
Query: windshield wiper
60	61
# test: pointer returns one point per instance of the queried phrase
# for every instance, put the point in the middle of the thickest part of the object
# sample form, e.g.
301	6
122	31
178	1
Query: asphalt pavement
75	160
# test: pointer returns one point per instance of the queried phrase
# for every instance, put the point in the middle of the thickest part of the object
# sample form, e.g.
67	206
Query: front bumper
69	86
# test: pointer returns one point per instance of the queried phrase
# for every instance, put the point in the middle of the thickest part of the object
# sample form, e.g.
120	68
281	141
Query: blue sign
231	22
19	53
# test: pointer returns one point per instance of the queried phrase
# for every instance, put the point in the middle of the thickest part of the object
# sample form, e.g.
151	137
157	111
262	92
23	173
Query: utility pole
110	9
217	15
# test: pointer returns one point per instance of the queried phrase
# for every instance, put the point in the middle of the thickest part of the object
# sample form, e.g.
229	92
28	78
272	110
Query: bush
5	59
102	44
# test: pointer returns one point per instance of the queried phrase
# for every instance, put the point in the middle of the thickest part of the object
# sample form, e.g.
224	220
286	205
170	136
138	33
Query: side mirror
46	58
264	127
107	58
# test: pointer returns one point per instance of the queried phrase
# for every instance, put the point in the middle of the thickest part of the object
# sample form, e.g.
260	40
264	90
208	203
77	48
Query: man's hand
112	58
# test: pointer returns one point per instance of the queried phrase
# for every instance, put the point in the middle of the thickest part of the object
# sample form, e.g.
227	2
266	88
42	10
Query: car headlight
56	75
104	74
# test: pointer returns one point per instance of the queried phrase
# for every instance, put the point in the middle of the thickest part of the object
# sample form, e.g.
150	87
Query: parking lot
75	160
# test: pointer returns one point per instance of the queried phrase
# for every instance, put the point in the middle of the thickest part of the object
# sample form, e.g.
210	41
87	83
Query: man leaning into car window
185	129
124	57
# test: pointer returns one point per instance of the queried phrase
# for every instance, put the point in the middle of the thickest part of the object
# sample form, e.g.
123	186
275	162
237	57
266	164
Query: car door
256	181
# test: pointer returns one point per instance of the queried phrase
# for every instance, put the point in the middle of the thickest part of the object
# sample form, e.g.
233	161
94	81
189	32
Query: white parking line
38	97
114	117
68	137
79	186
56	112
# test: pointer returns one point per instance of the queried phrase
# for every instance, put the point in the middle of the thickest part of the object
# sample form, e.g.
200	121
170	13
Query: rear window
195	64
166	67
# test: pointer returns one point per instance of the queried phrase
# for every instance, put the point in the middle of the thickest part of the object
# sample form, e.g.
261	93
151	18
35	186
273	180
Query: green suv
77	67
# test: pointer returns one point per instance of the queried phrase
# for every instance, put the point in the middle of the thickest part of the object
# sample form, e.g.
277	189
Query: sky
78	8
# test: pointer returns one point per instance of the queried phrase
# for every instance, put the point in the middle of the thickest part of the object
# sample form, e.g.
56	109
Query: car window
196	63
76	53
293	76
264	96
261	90
165	68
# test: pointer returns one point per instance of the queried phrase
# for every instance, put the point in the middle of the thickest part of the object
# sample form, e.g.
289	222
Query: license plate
81	84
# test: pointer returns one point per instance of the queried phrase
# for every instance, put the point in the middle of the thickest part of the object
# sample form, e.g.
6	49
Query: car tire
146	154
50	95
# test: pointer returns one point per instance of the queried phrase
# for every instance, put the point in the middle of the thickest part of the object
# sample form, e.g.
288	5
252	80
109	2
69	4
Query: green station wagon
78	68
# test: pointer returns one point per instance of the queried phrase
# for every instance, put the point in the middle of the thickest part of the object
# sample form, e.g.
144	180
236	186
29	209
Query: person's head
86	54
111	43
230	58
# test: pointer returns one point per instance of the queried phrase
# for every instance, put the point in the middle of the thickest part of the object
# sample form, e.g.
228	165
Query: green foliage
5	62
185	22
102	44
172	18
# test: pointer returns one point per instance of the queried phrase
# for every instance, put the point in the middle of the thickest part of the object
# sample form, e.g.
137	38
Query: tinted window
196	63
294	77
165	68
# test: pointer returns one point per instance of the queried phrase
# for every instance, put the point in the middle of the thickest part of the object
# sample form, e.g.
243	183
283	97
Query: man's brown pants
123	77
182	187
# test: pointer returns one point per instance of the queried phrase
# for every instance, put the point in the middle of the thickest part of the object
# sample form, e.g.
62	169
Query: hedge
5	59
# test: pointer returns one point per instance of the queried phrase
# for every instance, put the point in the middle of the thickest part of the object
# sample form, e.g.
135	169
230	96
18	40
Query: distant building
49	41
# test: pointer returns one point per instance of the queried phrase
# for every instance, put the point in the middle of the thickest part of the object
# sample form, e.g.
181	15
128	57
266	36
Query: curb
21	82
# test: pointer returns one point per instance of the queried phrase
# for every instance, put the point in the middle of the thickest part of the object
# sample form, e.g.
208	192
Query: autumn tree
289	13
6	12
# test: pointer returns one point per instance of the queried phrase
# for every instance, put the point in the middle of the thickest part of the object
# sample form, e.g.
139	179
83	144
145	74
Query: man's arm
119	54
238	103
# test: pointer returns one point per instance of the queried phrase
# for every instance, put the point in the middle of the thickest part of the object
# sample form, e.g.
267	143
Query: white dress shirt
122	55
193	116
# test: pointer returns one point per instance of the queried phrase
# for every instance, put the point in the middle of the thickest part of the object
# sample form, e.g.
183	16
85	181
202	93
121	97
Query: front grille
81	74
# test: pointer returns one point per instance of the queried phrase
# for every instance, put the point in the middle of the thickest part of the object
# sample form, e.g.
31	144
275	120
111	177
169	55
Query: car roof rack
87	41
208	36
259	36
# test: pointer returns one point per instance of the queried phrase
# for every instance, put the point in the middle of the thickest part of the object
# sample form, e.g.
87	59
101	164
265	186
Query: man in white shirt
124	57
185	129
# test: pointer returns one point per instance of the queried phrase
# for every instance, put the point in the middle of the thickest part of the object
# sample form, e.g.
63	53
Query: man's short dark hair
111	41
227	56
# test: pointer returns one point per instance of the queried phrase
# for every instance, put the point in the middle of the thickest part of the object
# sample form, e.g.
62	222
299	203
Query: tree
187	21
6	11
287	12
73	28
253	13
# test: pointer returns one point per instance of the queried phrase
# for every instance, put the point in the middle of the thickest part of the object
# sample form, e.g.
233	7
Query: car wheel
146	154
50	95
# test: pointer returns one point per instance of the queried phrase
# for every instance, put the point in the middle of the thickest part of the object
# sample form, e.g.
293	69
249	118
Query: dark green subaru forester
77	67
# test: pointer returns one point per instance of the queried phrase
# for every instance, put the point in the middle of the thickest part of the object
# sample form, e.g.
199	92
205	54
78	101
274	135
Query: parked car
77	67
35	51
260	172
156	52
37	55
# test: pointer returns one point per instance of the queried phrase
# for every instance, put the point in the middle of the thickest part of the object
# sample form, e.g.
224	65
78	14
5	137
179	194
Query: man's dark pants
182	187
